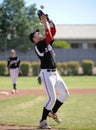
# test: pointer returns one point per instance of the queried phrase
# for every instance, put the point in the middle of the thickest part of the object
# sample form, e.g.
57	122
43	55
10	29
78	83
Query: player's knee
52	101
63	97
66	95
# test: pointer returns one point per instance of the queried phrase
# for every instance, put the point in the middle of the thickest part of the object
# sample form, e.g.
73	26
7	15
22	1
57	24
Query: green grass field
31	82
77	113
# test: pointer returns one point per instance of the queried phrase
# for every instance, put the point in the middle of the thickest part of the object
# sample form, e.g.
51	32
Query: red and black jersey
45	52
13	62
46	55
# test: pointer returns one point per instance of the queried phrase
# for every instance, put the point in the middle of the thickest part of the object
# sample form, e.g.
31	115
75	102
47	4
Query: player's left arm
50	29
50	32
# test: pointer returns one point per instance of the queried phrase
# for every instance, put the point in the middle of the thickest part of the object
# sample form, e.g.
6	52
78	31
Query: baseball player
49	75
13	64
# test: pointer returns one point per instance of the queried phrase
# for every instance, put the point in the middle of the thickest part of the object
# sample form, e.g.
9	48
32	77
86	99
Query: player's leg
48	82
13	74
43	123
62	91
16	72
63	95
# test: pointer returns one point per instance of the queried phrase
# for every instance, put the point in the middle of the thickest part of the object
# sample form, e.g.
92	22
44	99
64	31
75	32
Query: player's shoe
55	117
14	91
44	125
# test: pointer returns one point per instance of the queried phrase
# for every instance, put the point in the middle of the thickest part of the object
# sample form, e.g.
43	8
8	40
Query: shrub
61	44
62	68
87	66
35	68
73	67
25	66
2	68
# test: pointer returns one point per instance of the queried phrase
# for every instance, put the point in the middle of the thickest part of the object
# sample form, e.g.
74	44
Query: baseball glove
40	13
39	80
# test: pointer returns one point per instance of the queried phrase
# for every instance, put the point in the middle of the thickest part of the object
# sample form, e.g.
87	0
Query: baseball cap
31	36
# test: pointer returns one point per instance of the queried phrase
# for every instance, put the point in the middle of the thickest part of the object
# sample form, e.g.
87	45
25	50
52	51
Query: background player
13	64
48	74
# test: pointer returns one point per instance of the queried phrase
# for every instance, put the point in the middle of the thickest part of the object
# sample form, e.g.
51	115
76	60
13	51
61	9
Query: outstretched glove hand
40	13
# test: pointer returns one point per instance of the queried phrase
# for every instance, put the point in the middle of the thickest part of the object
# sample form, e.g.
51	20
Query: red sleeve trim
53	31
49	34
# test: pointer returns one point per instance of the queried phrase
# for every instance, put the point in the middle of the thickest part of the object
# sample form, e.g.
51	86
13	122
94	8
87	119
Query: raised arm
50	29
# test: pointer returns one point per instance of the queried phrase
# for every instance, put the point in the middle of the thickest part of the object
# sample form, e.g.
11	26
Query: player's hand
39	80
43	19
40	13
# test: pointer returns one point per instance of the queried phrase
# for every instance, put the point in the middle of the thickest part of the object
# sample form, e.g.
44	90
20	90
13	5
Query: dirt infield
21	128
7	94
17	128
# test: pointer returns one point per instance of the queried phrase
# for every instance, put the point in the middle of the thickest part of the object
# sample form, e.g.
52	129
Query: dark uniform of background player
13	64
48	74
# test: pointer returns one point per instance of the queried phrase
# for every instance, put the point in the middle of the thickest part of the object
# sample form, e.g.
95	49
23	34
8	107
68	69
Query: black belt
51	70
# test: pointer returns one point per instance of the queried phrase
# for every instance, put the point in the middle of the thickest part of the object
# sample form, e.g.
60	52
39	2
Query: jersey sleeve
50	34
53	31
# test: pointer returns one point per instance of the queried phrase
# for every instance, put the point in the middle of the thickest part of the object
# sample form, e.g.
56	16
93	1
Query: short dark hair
31	36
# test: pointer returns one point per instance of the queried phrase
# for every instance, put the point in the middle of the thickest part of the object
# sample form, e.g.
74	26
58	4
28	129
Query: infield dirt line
24	92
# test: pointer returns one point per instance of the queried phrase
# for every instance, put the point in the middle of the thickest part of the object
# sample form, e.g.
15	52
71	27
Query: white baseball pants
14	74
53	83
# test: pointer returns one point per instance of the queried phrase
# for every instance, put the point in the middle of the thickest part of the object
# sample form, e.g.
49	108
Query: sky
68	11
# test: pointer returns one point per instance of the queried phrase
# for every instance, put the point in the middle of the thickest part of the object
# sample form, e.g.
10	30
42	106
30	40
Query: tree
16	19
16	22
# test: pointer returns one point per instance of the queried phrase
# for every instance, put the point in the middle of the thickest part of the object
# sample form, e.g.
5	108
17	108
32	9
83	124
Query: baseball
42	7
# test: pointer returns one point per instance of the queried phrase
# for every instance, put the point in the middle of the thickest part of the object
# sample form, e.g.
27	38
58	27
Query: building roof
75	32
